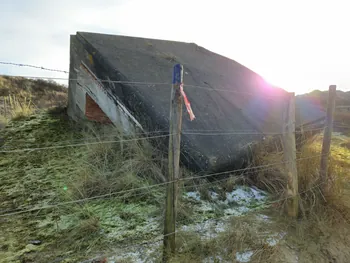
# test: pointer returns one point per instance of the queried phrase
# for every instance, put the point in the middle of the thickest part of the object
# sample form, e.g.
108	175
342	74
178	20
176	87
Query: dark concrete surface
232	98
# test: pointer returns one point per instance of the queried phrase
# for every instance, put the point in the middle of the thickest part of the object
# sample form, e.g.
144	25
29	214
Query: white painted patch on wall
108	103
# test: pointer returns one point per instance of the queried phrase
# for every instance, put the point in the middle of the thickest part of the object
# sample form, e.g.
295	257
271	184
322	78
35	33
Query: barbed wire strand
113	194
145	138
190	132
124	82
92	138
151	186
161	237
245	171
148	84
82	144
100	80
139	194
33	66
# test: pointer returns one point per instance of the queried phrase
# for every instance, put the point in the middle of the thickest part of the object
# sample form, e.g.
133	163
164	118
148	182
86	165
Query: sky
299	45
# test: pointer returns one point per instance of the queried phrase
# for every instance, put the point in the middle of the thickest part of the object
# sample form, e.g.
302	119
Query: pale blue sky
299	45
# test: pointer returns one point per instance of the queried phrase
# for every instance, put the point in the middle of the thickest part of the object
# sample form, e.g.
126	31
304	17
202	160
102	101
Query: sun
281	80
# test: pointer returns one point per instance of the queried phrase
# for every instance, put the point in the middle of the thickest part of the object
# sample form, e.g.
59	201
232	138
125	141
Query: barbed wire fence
290	162
32	66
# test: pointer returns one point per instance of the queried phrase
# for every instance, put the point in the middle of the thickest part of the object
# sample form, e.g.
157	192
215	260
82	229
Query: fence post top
177	74
333	87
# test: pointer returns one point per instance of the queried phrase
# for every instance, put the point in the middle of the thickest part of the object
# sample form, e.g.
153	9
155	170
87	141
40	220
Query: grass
342	120
308	162
37	178
32	179
81	230
242	234
3	122
320	234
322	215
19	109
110	168
84	229
20	95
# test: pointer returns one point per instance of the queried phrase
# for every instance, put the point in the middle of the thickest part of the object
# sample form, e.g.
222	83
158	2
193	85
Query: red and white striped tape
187	103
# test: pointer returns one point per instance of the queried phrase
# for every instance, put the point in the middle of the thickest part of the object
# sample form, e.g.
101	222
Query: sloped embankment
48	160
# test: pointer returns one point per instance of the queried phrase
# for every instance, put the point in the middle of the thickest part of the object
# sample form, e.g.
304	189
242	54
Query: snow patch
207	229
236	211
243	196
215	259
244	256
206	207
258	194
194	195
274	239
262	217
214	195
138	255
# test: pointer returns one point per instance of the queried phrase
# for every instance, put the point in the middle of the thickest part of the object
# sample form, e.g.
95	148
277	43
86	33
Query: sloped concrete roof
230	98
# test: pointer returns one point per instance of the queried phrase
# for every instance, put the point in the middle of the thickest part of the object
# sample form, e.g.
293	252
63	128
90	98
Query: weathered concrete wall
88	98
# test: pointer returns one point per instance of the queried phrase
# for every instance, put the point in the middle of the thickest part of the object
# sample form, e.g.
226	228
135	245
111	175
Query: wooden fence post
327	137
290	157
175	122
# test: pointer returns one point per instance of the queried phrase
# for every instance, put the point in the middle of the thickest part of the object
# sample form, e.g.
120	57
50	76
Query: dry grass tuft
342	122
114	167
25	93
191	248
86	233
184	213
242	234
19	108
274	178
324	222
247	234
342	118
3	122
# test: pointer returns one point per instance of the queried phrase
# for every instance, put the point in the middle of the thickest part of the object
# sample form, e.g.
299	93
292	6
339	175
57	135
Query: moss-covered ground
58	202
39	178
55	202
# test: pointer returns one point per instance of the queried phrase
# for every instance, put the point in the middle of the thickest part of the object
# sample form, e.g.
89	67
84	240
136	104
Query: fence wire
33	66
22	210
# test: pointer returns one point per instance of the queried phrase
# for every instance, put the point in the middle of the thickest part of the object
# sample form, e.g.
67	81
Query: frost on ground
138	254
244	256
273	239
238	202
215	259
194	195
245	196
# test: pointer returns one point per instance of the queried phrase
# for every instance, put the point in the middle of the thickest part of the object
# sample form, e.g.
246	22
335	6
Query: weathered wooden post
175	122
327	137
290	157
